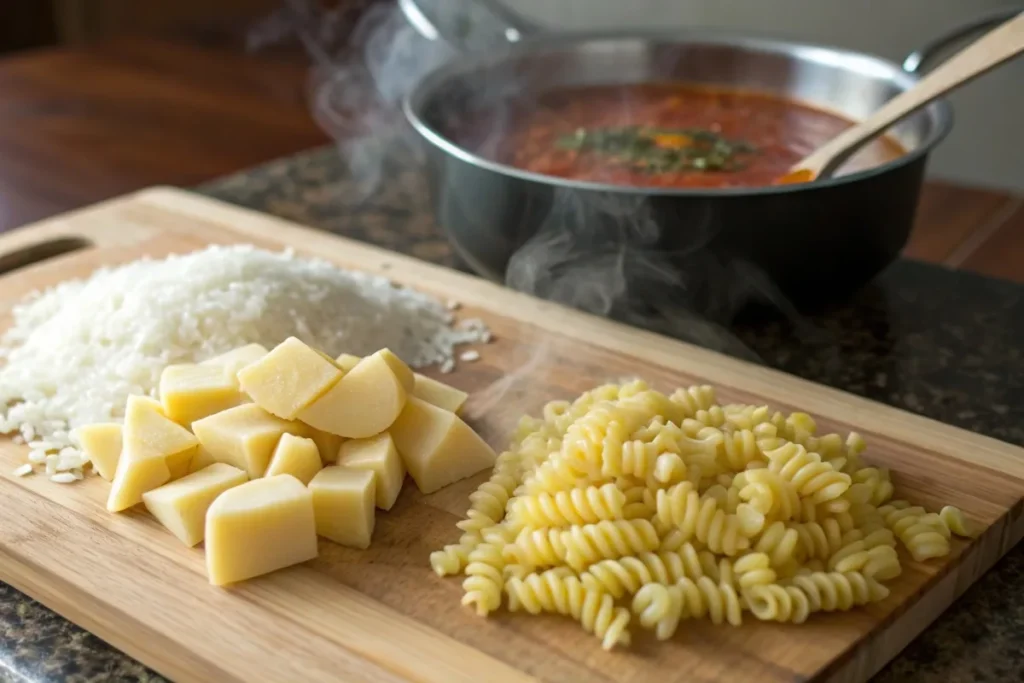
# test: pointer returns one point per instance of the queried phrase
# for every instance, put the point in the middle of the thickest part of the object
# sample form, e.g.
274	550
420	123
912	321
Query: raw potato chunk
102	445
379	455
201	460
439	394
365	402
181	506
347	361
288	378
438	448
296	456
258	527
343	501
133	478
179	464
236	359
328	444
153	444
401	370
244	436
192	392
148	431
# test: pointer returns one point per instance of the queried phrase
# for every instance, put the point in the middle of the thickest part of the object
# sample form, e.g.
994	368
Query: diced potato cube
236	359
102	445
328	444
258	527
439	394
347	361
192	392
379	455
438	448
133	478
288	379
181	505
401	370
147	402
148	431
153	445
296	456
329	359
201	460
244	436
365	402
180	463
343	502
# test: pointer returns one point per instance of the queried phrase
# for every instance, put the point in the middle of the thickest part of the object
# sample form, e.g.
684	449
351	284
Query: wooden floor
82	124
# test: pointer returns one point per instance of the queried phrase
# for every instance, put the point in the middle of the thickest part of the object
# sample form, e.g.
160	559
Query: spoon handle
991	50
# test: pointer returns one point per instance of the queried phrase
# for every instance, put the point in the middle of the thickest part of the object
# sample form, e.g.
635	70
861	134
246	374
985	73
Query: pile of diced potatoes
256	453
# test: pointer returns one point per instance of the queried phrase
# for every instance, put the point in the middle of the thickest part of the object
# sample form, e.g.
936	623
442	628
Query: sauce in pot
673	135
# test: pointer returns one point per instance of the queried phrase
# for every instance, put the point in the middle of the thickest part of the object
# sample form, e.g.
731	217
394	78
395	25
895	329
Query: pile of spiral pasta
628	503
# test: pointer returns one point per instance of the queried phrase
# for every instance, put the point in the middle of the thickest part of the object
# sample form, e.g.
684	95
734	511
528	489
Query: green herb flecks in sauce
661	150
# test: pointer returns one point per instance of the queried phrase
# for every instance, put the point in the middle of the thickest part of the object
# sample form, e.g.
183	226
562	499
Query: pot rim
413	102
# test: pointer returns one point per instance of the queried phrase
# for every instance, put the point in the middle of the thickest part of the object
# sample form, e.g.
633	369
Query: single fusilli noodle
589	543
558	591
565	508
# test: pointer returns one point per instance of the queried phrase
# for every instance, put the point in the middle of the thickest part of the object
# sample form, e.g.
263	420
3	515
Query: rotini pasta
628	574
670	508
695	517
565	508
830	591
589	543
806	471
557	590
484	579
775	602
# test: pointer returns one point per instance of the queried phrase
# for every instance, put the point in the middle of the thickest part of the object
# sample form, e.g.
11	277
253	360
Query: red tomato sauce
673	135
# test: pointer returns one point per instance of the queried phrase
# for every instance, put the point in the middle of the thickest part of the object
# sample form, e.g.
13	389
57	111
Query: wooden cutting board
380	614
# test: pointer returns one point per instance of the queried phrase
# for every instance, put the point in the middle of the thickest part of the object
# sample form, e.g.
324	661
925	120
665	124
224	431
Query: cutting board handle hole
41	251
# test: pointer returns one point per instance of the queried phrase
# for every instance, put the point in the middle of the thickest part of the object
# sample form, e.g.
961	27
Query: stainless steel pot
703	249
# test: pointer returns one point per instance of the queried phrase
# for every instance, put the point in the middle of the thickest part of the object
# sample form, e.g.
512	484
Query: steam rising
602	253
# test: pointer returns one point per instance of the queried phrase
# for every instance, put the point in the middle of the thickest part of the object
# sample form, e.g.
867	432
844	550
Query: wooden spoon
991	50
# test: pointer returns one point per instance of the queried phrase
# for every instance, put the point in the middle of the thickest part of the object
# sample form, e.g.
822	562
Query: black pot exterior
708	253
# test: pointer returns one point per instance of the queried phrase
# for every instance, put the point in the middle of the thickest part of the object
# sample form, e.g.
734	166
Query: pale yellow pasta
659	607
955	521
562	593
695	517
923	538
565	508
678	508
822	540
771	494
780	543
694	399
584	545
484	579
628	574
719	602
536	548
811	477
831	591
753	569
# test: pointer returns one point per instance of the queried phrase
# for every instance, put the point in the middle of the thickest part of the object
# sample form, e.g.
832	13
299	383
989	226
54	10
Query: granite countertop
932	341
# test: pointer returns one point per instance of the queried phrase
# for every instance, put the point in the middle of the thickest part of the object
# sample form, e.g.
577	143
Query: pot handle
919	60
467	25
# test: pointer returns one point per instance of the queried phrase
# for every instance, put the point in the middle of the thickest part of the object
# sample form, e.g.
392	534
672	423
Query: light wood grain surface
380	614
